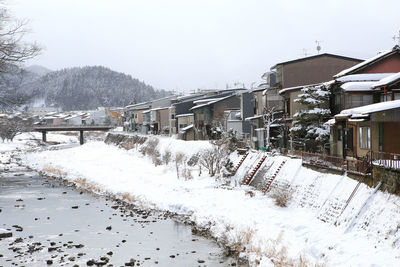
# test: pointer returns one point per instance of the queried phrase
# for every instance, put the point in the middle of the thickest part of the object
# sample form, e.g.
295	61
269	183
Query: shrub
282	195
212	159
194	159
150	148
178	161
187	174
166	158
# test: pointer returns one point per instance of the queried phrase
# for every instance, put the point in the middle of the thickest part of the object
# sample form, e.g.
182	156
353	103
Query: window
365	137
396	96
356	100
172	116
386	97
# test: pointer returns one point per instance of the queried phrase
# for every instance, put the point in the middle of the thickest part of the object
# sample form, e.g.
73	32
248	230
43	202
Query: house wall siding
315	70
387	65
247	109
391	143
164	118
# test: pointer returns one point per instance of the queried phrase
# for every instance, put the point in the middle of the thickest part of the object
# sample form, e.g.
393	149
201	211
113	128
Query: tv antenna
305	52
397	37
318	46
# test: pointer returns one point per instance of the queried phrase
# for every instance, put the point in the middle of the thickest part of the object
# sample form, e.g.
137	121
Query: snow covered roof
187	128
155	109
184	115
365	77
330	122
357	86
296	88
212	102
253	118
388	80
368	109
369	61
206	100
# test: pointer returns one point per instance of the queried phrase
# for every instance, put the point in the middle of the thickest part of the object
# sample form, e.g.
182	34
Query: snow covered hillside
319	226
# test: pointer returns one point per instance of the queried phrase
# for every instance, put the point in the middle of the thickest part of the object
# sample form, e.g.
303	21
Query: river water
59	225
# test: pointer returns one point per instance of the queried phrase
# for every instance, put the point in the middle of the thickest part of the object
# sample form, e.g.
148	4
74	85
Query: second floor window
357	100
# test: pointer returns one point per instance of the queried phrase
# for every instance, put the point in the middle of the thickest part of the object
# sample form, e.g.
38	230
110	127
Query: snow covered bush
194	159
214	158
167	157
179	157
10	129
282	196
308	123
150	148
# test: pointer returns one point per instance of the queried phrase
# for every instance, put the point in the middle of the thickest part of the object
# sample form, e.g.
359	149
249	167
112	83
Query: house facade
367	84
209	115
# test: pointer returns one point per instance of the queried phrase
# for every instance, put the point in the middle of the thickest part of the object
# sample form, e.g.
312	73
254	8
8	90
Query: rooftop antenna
305	52
318	46
397	37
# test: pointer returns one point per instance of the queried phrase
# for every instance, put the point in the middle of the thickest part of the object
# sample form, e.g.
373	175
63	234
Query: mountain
83	88
38	70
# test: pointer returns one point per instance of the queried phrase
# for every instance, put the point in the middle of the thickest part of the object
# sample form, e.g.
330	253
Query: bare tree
13	50
269	118
179	157
212	159
11	128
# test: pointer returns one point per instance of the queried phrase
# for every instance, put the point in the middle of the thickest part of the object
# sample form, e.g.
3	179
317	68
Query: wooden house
371	82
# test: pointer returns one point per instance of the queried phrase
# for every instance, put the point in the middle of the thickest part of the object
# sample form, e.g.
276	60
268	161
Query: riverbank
54	222
246	220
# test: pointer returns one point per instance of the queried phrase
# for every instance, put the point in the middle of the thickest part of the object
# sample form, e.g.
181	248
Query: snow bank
314	228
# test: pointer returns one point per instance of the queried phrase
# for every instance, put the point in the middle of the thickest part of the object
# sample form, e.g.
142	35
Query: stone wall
127	141
390	179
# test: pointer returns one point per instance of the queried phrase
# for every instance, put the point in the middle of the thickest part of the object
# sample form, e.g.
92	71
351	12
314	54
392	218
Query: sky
184	45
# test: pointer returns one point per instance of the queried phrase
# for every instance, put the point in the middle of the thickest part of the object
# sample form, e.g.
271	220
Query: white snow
23	140
389	79
211	102
365	77
314	226
377	107
357	86
187	128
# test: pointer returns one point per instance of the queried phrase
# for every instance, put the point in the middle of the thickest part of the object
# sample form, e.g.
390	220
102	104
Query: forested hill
83	88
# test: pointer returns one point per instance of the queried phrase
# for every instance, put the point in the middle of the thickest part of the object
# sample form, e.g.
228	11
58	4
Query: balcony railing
387	160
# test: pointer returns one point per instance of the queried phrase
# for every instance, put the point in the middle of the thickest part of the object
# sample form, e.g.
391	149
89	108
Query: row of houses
364	105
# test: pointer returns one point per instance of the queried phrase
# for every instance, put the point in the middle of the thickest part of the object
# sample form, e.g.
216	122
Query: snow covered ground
314	229
25	140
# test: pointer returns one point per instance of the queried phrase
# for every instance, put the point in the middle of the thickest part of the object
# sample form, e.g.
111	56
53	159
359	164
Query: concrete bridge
63	128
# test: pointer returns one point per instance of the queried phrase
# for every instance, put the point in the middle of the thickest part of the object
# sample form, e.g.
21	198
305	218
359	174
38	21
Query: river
60	225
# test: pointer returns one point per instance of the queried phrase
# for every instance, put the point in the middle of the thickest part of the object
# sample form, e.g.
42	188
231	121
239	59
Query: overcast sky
184	45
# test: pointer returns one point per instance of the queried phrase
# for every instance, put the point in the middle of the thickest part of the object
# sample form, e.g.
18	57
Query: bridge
66	128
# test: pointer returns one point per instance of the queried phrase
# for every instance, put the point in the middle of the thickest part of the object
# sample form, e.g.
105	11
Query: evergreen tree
308	123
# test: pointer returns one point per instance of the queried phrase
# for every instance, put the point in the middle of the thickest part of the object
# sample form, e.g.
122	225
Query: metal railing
336	163
323	160
384	159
